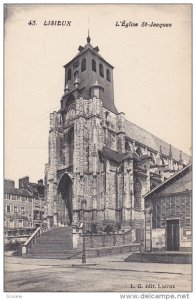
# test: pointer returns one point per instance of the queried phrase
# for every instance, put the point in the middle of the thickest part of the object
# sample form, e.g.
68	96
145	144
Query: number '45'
32	22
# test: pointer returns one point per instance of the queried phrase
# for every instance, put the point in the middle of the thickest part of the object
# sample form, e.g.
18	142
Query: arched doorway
65	200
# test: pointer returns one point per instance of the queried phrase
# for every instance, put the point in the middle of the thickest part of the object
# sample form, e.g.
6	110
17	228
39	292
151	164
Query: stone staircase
56	243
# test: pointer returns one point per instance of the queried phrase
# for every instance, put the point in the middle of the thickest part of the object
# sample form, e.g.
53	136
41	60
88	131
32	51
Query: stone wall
105	240
111	250
158	239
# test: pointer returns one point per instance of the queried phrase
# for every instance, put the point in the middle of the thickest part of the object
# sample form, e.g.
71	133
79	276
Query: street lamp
83	206
144	229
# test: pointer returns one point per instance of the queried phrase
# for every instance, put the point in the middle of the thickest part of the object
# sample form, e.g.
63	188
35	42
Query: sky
152	72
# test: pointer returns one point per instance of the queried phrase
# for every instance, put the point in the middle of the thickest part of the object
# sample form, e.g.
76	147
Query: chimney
8	183
23	182
40	182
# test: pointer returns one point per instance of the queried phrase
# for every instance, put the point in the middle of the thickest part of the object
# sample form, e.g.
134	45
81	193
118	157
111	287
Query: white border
82	296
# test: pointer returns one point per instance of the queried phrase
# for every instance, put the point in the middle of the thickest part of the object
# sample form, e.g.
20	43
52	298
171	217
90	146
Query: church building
99	162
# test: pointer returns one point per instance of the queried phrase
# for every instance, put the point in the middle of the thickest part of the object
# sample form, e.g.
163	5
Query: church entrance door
65	201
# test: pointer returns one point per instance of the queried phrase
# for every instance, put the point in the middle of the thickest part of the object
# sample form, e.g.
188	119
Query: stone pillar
56	224
121	132
127	192
107	196
51	170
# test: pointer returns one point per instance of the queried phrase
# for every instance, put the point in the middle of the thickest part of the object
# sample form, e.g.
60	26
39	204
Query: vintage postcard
98	148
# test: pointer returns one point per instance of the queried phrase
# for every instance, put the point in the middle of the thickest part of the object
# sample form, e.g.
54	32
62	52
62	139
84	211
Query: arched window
76	74
70	100
101	71
83	65
139	151
71	145
69	74
83	204
127	146
108	74
94	67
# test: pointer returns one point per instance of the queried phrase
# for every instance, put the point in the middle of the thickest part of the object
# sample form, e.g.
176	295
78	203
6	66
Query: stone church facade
98	160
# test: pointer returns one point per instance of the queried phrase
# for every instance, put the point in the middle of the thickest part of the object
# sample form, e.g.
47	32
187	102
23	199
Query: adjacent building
38	202
23	206
169	213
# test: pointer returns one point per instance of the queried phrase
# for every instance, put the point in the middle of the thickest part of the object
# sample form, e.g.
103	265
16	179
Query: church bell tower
86	70
74	173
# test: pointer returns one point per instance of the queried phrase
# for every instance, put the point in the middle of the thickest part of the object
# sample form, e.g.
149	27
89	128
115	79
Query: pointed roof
19	192
116	156
88	47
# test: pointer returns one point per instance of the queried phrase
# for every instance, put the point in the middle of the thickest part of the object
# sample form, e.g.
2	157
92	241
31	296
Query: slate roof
88	47
18	192
115	156
28	190
33	188
144	137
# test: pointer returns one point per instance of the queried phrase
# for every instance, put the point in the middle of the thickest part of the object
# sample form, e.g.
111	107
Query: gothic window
152	157
69	74
139	151
71	146
75	64
62	155
127	146
83	65
70	100
76	74
101	71
94	67
108	74
83	204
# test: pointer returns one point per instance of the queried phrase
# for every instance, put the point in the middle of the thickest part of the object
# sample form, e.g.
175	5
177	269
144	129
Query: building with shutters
99	158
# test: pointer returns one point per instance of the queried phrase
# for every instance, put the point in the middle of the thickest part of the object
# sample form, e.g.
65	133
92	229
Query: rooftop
170	179
146	138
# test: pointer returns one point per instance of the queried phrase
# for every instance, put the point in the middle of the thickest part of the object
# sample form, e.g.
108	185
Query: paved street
110	274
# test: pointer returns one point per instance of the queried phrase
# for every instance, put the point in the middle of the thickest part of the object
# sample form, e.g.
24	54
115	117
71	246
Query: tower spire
88	38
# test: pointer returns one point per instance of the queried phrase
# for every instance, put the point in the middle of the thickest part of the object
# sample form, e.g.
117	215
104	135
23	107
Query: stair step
53	240
59	232
49	252
55	243
59	253
52	248
48	256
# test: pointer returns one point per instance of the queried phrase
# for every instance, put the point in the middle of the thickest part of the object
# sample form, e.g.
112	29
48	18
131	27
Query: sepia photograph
97	148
